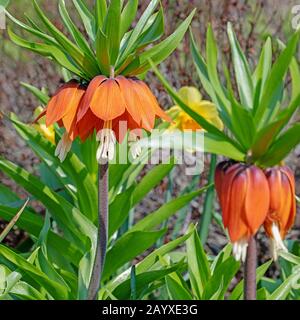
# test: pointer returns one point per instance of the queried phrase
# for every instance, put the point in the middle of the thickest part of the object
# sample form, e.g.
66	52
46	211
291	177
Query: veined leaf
160	51
199	271
128	15
87	18
47	50
76	34
127	248
281	147
138	29
81	58
42	97
151	179
101	11
242	70
275	77
165	211
54	288
112	30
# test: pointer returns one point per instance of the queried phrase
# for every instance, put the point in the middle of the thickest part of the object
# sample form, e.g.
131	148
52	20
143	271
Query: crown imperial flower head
244	197
282	209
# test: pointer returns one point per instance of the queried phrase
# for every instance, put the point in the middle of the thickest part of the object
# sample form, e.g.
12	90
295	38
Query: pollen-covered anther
63	147
239	250
107	138
276	243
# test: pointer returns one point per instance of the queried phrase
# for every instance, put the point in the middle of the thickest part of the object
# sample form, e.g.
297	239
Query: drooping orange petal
144	106
237	228
94	84
225	196
257	198
70	117
59	103
122	124
107	102
129	96
153	101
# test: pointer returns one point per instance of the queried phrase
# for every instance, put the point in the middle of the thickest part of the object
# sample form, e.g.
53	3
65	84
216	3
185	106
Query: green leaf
208	207
262	70
154	31
285	288
119	210
80	57
276	76
152	179
76	34
102	52
101	11
212	67
33	223
165	211
176	290
122	292
72	166
11	224
127	248
87	18
47	50
199	271
138	29
215	144
112	30
242	70
267	135
161	51
237	292
128	16
219	276
68	217
281	147
42	97
150	259
57	290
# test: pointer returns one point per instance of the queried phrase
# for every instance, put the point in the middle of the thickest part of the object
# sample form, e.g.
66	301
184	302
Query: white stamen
239	250
106	150
276	242
135	147
63	147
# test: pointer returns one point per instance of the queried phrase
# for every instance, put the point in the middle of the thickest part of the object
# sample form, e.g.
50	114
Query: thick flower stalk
282	208
244	197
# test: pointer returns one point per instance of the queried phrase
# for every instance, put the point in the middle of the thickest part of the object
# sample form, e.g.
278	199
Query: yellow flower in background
193	98
40	126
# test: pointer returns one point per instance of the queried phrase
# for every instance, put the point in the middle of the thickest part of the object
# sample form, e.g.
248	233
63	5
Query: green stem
95	281
207	214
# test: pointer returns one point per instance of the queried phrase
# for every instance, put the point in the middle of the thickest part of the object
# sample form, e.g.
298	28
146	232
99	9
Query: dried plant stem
250	271
102	233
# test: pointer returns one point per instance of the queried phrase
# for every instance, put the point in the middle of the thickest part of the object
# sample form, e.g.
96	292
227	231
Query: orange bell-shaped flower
244	199
282	208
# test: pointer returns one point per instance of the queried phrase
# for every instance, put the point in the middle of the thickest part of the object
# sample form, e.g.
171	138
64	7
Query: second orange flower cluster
100	107
251	197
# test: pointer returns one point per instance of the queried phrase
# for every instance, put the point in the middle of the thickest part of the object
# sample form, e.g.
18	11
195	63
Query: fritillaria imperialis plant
254	187
105	89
